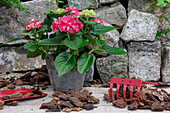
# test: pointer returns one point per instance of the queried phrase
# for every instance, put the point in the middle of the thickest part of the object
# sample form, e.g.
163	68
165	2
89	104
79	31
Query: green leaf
84	62
54	15
168	17
46	24
90	3
114	50
60	1
48	21
84	42
50	42
27	37
101	38
48	11
165	31
90	22
161	3
65	5
167	12
60	49
162	19
152	6
75	52
168	1
100	43
91	39
83	19
43	56
20	47
34	54
54	2
91	18
99	50
100	29
74	42
25	31
162	32
44	37
81	49
148	4
31	46
59	34
64	62
158	34
43	28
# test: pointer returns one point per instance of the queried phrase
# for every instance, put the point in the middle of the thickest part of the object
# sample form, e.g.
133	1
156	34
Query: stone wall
147	58
11	26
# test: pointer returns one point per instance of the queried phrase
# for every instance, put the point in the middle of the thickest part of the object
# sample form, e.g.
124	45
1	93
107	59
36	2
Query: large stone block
116	14
142	5
145	60
107	1
12	20
140	27
10	28
82	4
13	59
166	66
112	66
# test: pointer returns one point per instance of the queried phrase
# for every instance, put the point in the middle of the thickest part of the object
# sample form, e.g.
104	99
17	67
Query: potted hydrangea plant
61	39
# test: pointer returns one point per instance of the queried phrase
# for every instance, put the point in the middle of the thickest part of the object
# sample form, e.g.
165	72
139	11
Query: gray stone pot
70	80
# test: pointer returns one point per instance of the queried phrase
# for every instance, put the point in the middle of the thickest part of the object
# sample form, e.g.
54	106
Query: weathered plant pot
70	80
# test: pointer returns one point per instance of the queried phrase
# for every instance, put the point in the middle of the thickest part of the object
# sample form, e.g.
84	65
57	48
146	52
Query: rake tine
138	94
131	94
117	91
124	92
111	86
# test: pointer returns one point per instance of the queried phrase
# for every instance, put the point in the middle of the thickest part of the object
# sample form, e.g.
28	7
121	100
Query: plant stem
51	48
41	48
91	51
35	35
86	24
68	34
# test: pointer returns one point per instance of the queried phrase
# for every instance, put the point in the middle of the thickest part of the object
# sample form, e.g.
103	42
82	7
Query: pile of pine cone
73	100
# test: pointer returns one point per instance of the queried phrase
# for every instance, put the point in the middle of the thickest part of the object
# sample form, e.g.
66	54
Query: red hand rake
22	90
131	83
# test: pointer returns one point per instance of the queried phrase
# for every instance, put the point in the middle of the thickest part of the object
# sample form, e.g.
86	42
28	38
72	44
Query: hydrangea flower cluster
98	21
67	23
33	24
88	13
74	11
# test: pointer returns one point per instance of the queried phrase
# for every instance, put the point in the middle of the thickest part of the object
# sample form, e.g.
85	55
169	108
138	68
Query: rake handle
155	83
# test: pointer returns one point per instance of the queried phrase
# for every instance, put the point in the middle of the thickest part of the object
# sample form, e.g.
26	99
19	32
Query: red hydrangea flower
73	12
33	24
98	21
67	23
